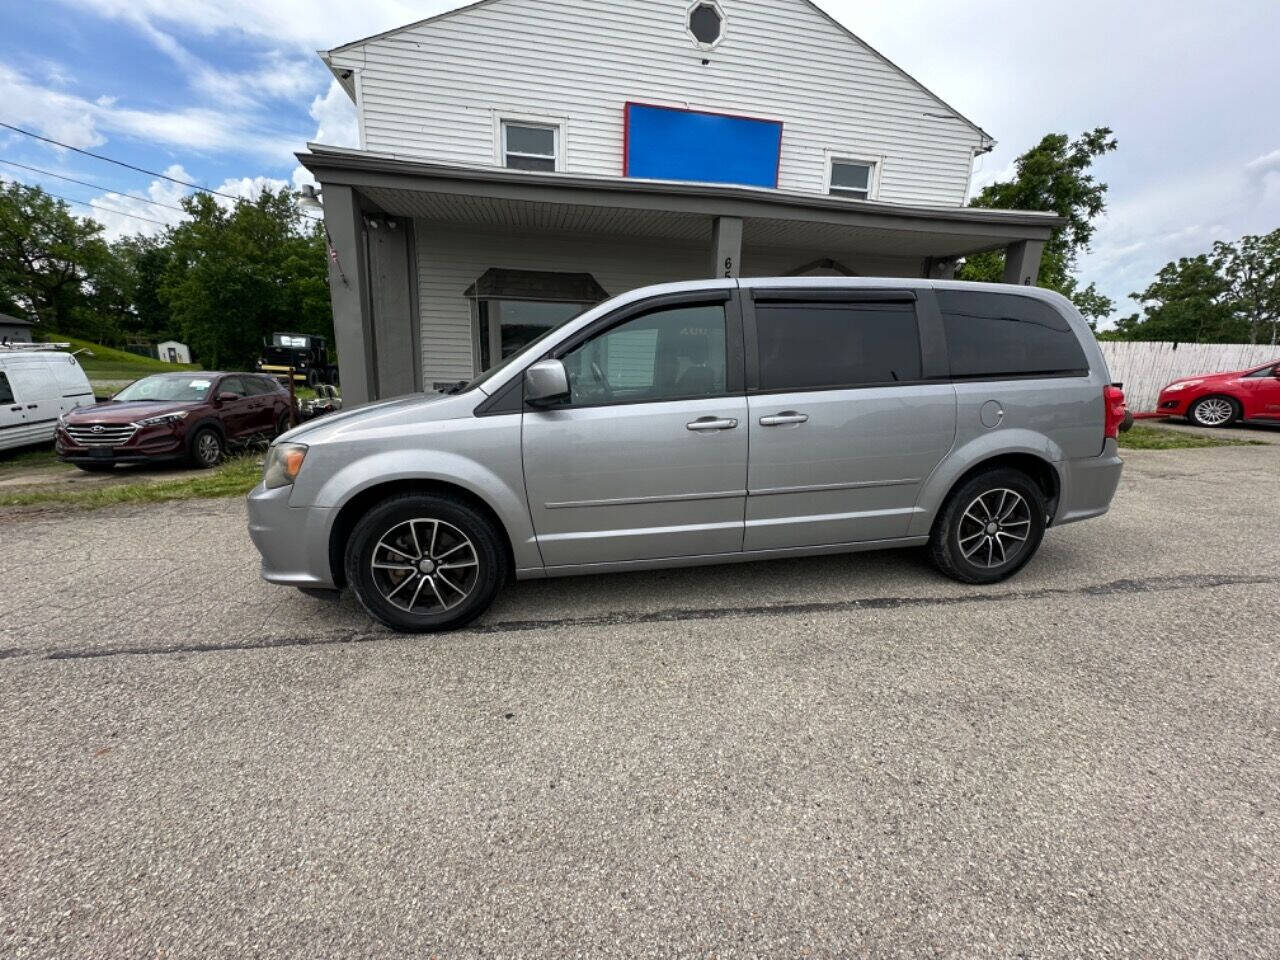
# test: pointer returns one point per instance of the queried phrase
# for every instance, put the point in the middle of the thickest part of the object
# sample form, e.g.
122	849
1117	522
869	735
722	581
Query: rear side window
1002	335
808	346
6	391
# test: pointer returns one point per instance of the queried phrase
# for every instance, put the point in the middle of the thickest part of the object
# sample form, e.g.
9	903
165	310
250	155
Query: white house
172	351
520	159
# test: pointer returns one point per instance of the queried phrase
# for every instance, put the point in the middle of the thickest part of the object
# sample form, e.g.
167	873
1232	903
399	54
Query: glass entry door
507	326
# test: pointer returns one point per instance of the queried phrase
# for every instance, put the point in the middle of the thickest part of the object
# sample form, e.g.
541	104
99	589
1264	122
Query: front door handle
712	423
17	409
32	406
786	417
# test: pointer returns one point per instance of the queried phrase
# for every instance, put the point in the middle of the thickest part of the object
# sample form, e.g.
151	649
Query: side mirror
546	380
228	396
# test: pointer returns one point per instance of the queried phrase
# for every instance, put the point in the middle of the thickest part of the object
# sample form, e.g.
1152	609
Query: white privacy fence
1145	367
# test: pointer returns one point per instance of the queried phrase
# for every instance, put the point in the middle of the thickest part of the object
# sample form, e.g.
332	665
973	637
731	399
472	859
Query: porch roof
494	196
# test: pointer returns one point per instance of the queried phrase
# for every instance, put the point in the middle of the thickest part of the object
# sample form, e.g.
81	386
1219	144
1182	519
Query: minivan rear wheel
421	563
989	527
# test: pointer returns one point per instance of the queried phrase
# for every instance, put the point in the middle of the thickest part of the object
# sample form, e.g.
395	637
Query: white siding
436	90
451	258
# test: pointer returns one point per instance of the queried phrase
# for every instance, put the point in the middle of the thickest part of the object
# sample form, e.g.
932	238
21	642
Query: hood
124	412
415	408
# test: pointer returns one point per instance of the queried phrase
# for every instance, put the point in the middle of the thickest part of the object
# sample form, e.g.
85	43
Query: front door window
665	355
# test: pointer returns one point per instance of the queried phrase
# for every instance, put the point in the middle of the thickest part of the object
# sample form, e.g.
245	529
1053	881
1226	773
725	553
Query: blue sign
664	143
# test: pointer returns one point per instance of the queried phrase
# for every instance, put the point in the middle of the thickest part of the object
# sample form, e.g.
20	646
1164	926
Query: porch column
1022	262
349	292
940	268
726	246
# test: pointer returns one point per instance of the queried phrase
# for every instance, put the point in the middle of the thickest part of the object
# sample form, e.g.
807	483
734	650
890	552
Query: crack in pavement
677	614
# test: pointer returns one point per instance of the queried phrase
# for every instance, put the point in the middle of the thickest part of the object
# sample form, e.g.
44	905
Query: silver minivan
709	422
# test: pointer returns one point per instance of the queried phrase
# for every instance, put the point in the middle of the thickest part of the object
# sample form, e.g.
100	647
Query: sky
225	93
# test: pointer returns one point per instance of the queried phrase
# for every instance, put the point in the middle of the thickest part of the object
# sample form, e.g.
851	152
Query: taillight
1113	404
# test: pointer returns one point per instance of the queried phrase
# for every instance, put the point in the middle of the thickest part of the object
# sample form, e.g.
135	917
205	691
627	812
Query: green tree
235	275
1251	271
1188	302
1056	176
50	260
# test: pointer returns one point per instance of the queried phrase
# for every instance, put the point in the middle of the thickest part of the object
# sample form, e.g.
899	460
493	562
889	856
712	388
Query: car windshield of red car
165	389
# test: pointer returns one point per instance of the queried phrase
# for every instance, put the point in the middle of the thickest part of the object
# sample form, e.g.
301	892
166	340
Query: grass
110	364
1141	437
40	457
235	478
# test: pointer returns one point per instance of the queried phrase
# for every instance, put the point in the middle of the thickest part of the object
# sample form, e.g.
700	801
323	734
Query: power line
119	163
86	203
86	183
130	166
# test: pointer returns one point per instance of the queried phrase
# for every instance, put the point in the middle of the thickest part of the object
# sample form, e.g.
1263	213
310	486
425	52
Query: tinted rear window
1002	335
812	345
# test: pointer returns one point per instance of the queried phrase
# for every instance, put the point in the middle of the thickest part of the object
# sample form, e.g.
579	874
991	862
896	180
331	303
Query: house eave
358	169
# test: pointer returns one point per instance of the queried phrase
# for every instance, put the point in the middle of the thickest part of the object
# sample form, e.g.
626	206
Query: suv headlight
284	460
163	418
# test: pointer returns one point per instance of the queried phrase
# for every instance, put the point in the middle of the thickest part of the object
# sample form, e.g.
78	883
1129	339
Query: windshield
290	340
166	389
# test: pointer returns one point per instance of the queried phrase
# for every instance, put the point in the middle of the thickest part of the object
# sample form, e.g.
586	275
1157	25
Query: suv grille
101	434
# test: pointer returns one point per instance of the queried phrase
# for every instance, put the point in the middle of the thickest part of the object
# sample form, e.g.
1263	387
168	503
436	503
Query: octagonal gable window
706	23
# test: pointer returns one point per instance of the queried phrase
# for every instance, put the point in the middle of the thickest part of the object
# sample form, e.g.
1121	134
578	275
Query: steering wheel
599	378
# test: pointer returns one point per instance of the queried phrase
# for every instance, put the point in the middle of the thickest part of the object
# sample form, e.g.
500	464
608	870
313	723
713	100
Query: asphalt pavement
834	757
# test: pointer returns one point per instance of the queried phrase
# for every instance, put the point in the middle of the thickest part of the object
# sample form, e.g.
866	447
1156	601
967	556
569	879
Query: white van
36	388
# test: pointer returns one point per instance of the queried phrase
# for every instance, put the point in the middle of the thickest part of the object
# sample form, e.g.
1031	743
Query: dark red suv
195	417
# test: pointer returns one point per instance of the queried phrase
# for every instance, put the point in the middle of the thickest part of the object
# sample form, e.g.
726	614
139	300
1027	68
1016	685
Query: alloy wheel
994	528
425	566
1214	412
208	449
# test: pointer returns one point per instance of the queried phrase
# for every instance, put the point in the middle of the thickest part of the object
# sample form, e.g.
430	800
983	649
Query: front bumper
147	445
1088	485
293	541
1173	404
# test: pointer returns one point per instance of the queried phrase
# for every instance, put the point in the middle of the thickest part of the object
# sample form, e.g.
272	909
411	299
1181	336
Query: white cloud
85	123
299	25
335	117
113	211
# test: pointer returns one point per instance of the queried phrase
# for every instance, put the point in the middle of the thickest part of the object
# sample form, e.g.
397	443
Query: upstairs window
706	24
530	146
852	178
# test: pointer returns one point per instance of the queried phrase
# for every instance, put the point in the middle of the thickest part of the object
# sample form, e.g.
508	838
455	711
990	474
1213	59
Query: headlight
1173	387
163	418
284	460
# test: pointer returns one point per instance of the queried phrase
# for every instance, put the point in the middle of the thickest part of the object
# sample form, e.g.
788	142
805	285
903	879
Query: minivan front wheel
989	528
420	563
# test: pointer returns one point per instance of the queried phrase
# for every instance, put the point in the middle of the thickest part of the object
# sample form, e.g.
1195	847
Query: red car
195	417
1218	399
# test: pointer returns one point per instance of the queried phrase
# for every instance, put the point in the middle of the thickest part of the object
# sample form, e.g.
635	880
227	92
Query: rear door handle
781	419
712	423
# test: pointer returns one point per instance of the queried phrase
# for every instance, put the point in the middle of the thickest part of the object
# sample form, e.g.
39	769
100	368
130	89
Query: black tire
282	423
206	448
956	532
96	467
313	378
333	376
1208	412
414	598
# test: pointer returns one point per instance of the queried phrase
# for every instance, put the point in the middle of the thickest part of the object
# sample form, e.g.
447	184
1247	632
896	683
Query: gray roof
9	321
